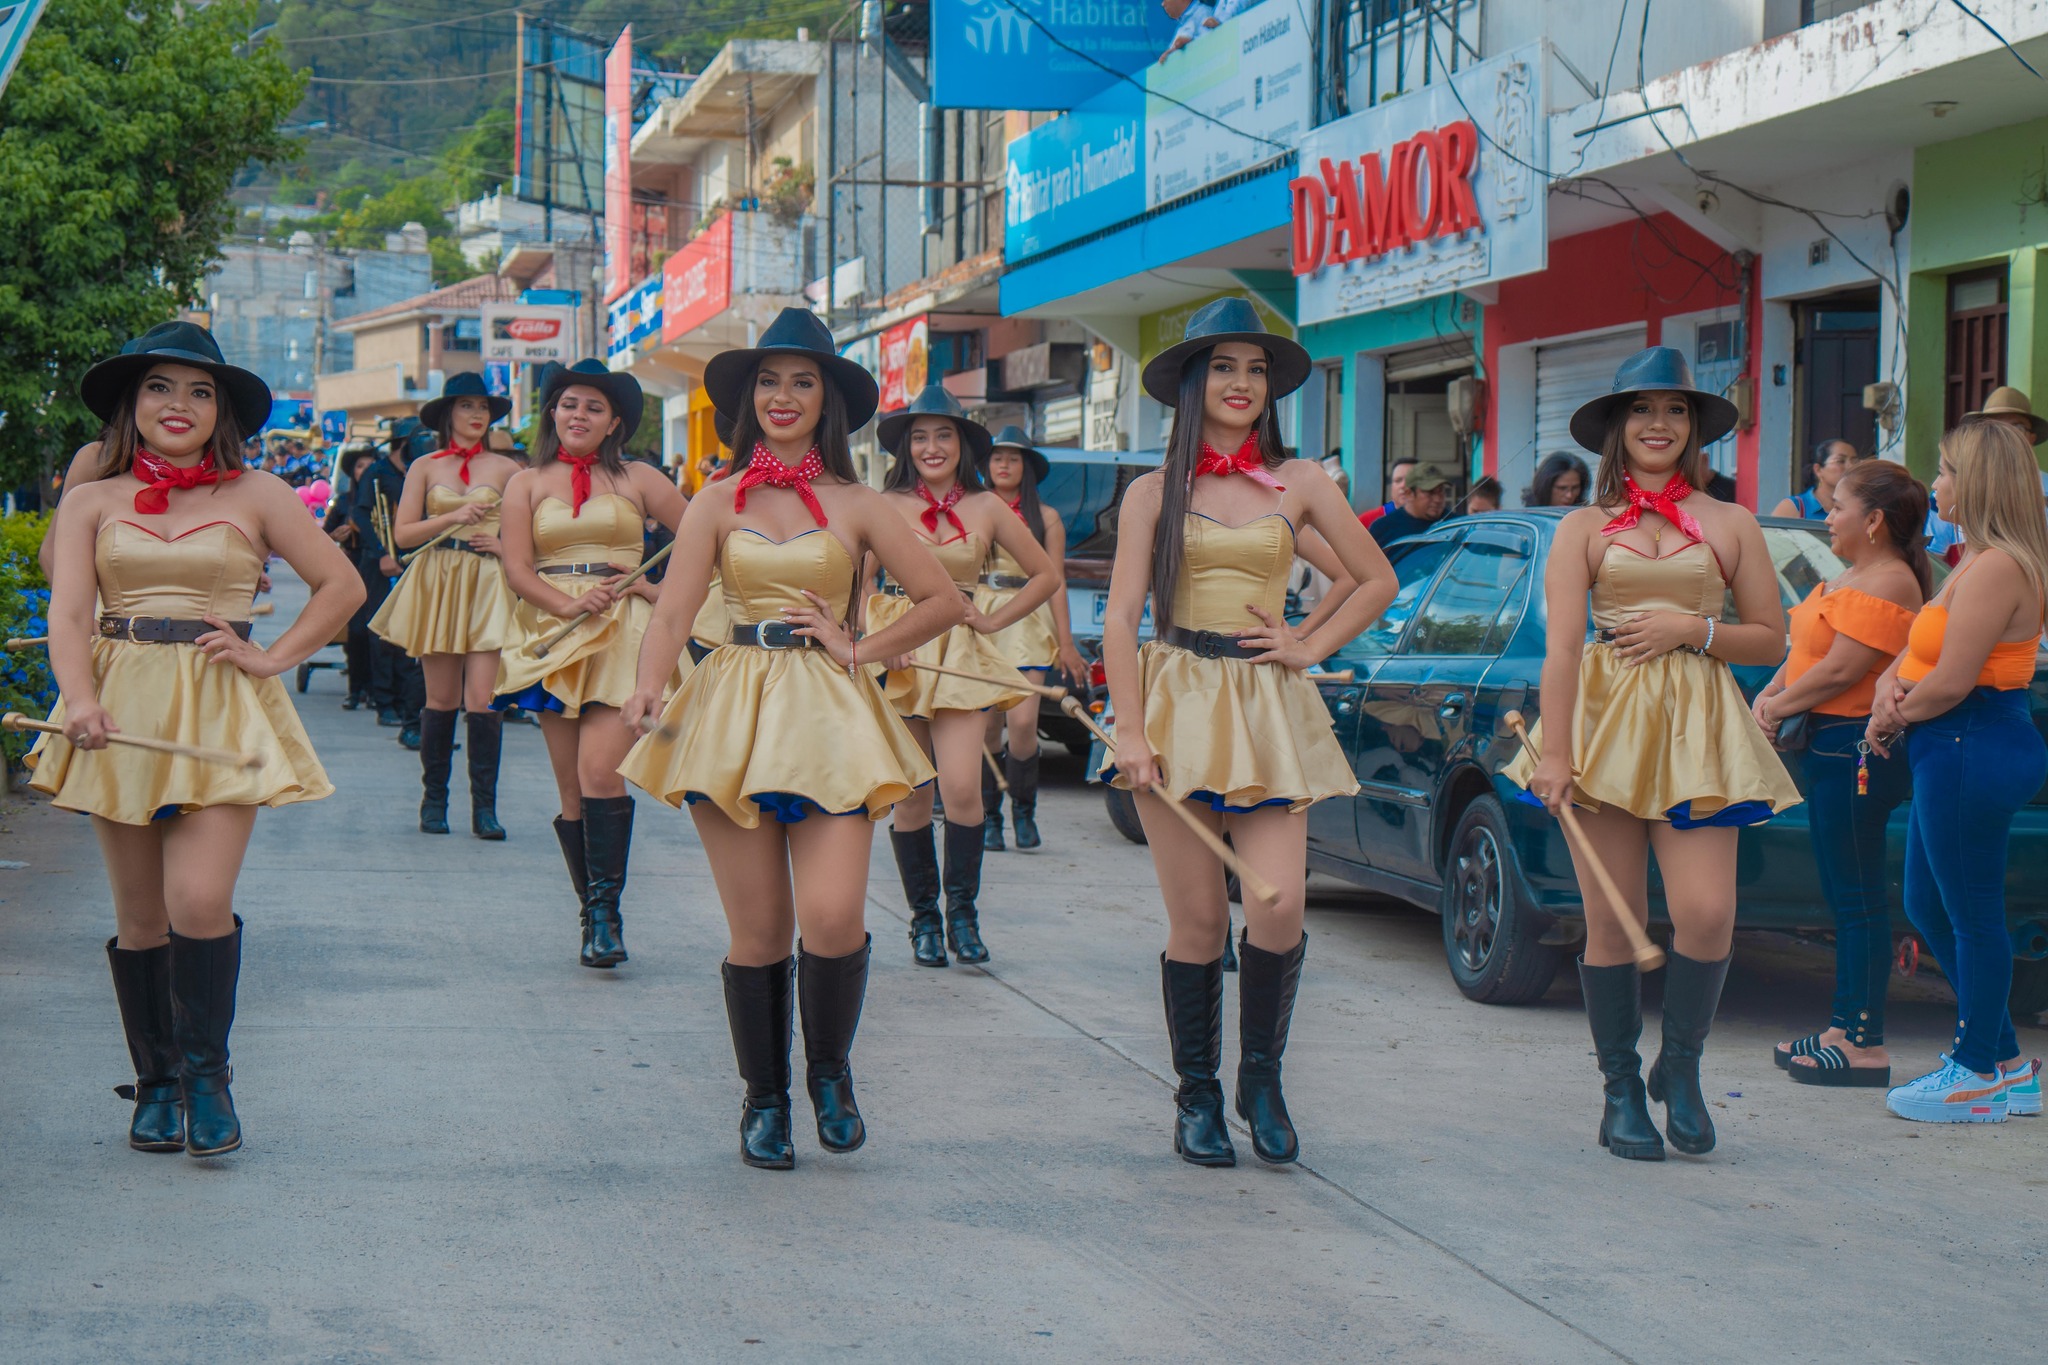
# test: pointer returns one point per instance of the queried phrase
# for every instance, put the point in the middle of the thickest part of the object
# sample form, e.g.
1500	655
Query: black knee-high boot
992	808
569	834
486	742
1266	987
607	845
1692	992
1614	1009
1022	775
1194	1027
203	976
757	1007
963	888
918	862
831	990
437	747
142	988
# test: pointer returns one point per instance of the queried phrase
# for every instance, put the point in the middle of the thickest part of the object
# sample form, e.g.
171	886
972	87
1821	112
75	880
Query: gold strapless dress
173	692
1671	739
917	693
595	665
450	601
1030	643
1234	733
713	626
756	729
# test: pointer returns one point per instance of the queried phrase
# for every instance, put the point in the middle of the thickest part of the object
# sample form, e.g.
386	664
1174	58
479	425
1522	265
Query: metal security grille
1567	375
1377	49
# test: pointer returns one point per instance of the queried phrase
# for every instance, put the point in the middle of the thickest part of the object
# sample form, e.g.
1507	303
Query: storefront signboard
906	361
633	319
618	172
1237	97
696	282
1431	192
530	333
1039	54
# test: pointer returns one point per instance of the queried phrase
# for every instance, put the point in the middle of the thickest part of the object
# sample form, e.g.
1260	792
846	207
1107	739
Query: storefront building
1979	282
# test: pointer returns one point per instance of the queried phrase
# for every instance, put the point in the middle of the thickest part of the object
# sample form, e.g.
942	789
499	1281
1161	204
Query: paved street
462	1146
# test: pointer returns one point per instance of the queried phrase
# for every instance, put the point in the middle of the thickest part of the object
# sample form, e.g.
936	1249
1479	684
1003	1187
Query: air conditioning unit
1466	402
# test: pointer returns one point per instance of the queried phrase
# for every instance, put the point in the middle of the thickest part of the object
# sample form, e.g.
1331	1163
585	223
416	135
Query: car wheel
1490	935
2029	988
1123	813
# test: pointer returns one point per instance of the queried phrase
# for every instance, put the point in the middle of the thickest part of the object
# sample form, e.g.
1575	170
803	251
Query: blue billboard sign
1076	175
1040	54
498	379
334	426
633	317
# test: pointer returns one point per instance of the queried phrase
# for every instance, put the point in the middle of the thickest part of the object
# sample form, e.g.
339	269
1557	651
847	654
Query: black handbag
1793	733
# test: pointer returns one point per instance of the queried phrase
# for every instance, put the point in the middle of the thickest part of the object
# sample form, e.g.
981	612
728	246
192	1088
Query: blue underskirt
787	807
535	699
1214	801
1736	815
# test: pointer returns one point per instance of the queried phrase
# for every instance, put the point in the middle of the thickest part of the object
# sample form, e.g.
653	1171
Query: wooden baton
1648	955
539	648
14	720
1247	878
1018	683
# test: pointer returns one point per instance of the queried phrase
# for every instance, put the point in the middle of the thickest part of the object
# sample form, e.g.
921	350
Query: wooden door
1976	341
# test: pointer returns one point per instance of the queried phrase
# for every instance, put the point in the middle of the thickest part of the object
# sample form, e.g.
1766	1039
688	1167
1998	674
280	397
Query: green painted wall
1385	330
1976	201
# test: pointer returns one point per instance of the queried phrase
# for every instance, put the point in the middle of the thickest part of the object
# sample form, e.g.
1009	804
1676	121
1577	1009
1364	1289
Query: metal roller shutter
1569	374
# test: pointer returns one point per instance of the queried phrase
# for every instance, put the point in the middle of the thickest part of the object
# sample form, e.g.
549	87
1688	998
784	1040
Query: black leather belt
465	545
773	635
1207	644
162	630
894	590
1008	582
585	570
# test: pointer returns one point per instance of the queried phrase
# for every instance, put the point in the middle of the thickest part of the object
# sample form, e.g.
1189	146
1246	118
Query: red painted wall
1614	275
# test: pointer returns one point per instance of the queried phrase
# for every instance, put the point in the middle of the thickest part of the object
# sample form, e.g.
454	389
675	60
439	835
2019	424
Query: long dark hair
1608	489
904	478
1027	498
1887	489
119	440
1553	468
547	445
831	437
1183	452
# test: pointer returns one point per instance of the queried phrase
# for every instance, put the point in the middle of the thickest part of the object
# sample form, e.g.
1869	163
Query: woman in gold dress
1215	710
933	485
1039	643
451	609
170	540
573	527
1645	731
781	746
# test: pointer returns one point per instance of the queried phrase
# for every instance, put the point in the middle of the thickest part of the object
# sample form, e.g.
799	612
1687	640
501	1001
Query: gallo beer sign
1426	194
529	332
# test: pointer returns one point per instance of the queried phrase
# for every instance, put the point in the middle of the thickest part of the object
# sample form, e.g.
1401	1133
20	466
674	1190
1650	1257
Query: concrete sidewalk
450	1155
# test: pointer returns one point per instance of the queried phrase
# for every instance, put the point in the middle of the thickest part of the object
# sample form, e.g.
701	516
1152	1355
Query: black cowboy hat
465	385
175	343
1230	319
622	389
1655	369
795	331
1014	437
934	401
724	426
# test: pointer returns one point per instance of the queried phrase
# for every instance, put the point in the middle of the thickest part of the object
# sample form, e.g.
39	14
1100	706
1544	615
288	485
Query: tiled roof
463	296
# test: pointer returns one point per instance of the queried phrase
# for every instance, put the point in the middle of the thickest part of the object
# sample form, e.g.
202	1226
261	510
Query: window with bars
1378	49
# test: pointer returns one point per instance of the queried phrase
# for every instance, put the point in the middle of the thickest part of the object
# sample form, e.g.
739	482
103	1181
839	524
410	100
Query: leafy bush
25	682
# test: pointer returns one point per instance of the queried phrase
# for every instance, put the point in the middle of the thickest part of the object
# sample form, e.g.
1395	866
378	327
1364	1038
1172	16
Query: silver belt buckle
770	641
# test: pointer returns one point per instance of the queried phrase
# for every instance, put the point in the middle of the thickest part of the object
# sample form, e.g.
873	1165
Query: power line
1986	26
407	28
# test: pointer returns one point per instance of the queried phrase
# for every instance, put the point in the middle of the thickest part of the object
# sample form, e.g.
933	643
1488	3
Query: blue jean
1848	853
1974	766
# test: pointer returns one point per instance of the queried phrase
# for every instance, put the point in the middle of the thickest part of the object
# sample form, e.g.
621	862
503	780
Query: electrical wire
408	28
1986	26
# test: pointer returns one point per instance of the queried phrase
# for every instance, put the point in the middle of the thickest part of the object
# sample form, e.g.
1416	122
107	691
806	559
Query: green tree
120	136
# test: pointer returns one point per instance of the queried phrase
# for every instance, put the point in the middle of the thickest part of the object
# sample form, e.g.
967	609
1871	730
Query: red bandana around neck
1018	508
941	507
464	454
1664	502
161	476
1247	462
579	479
763	467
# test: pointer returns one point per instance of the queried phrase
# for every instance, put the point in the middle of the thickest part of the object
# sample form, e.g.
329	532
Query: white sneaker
1952	1094
2023	1095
